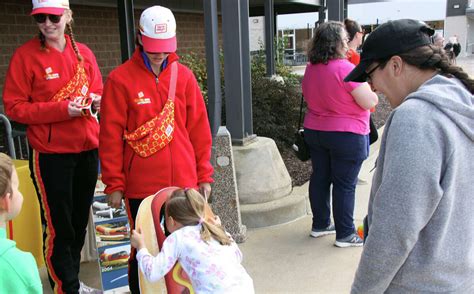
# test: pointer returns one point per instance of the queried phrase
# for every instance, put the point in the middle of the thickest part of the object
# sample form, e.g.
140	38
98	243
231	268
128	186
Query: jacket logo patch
141	99
50	75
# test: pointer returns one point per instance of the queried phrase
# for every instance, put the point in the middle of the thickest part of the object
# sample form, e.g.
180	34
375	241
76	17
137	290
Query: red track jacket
33	78
132	96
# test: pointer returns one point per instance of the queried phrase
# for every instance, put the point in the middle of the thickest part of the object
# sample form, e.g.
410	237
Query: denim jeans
336	159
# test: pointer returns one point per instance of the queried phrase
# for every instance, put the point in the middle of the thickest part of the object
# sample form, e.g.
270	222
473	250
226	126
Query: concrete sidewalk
285	259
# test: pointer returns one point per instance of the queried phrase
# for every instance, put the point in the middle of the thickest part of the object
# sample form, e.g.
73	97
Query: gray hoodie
421	207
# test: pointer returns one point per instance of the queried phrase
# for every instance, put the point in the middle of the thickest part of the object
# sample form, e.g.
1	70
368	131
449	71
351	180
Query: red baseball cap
55	7
158	30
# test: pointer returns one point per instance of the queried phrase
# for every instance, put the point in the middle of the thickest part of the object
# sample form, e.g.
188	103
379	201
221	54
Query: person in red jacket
355	34
154	129
52	85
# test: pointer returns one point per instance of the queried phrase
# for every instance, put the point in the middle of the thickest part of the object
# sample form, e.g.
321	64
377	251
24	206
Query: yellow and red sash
77	86
157	132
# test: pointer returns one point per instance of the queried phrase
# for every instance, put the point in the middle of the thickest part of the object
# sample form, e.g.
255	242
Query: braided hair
42	39
73	41
434	57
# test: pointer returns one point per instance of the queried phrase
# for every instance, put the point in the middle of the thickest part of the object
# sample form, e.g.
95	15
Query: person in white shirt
206	252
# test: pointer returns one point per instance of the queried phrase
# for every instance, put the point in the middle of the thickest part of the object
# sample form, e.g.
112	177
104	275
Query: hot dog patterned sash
77	89
157	132
77	86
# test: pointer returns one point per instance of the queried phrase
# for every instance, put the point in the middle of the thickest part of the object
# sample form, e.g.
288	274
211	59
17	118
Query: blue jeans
336	158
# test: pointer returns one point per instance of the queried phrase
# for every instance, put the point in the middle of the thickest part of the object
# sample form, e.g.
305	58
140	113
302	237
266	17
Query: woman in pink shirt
336	128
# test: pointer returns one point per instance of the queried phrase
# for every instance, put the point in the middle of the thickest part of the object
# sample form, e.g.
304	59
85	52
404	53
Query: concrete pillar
225	199
264	185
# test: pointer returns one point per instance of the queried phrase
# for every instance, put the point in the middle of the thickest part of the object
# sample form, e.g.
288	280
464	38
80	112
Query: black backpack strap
301	112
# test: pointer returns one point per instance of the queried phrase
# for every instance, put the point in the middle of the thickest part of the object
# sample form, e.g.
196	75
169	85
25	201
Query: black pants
65	186
132	206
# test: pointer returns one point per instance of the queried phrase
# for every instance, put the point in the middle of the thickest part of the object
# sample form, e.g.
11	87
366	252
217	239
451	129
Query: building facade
460	23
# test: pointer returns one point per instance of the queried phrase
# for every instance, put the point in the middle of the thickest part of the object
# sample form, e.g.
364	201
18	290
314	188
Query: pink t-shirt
331	106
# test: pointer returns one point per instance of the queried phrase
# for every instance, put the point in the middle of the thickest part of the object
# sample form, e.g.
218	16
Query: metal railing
295	59
12	135
9	137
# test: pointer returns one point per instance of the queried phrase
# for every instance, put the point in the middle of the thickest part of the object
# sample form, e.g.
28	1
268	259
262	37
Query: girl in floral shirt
206	252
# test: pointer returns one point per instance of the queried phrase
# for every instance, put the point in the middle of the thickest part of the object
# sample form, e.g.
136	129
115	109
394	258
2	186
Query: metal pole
126	26
246	74
213	65
231	31
269	37
335	10
322	14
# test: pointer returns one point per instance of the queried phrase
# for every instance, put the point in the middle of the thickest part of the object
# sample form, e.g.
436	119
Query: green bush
198	65
275	104
275	109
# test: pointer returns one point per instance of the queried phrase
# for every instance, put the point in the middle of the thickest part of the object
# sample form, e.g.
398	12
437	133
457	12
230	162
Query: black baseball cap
390	38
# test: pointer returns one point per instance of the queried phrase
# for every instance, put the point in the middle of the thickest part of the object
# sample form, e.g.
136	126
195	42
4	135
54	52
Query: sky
370	13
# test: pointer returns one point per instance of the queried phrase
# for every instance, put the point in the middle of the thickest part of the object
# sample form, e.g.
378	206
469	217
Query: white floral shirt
212	267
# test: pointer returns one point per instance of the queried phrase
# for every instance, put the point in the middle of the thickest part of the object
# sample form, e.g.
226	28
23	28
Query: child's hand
137	239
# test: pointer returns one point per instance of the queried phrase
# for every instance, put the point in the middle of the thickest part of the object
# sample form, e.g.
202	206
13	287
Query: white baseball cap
55	7
158	30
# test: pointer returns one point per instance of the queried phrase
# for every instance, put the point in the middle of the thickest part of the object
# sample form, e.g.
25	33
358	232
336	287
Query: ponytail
352	28
434	57
209	230
186	206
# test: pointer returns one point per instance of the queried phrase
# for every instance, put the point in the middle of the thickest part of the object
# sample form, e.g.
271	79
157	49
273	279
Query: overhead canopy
366	1
256	7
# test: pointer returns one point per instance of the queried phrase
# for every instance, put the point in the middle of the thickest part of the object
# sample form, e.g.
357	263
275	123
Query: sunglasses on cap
41	17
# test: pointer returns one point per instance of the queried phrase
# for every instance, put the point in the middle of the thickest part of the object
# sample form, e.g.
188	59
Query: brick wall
97	27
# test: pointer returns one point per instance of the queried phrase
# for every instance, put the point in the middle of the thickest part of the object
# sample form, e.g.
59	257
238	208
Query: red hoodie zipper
169	145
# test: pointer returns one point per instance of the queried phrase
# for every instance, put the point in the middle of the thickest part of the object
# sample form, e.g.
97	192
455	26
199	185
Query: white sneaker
331	229
361	181
84	289
350	241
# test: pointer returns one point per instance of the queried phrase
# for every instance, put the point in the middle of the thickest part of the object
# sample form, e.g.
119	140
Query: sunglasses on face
41	18
370	72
